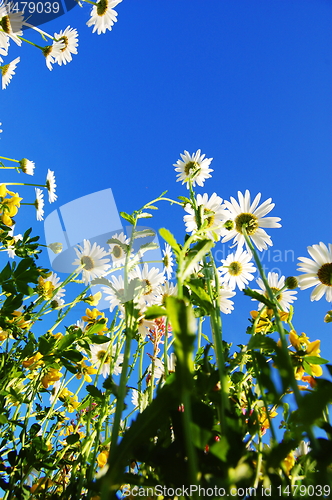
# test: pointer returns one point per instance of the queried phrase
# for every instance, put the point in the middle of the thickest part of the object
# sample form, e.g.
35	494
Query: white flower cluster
63	44
212	218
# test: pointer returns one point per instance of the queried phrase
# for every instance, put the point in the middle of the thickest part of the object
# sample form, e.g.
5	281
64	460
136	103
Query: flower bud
291	282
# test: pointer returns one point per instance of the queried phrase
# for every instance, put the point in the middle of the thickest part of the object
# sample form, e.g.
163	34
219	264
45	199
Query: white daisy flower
168	260
139	399
55	280
150	280
92	258
194	167
4	44
165	290
226	305
159	368
115	293
213	214
318	271
11	248
285	298
102	16
51	185
236	269
100	355
52	53
27	166
70	39
143	325
7	71
117	251
11	22
39	204
245	212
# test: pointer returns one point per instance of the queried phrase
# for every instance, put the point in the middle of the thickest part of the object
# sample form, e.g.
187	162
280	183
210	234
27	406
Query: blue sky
247	82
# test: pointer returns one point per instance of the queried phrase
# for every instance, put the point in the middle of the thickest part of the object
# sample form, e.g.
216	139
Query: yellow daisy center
116	251
47	50
209	217
5	24
87	262
190	167
235	268
65	40
101	355
148	287
4	69
102	6
325	274
250	220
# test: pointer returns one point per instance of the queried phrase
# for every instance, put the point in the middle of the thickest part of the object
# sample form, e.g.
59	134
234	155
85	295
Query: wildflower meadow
148	396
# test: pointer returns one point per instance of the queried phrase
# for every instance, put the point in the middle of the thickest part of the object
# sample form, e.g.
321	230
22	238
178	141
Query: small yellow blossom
3	334
263	417
289	462
305	348
264	320
19	320
50	377
102	458
93	300
45	288
33	361
85	371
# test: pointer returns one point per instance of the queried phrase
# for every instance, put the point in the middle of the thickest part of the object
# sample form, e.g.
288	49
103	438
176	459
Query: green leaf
261	342
144	215
95	392
170	239
184	199
73	438
195	255
5	273
128	218
258	296
97	327
200	437
66	341
72	355
45	346
220	449
154	312
3	419
315	360
144	233
99	339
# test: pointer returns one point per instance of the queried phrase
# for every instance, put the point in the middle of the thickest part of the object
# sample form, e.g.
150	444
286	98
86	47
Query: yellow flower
50	377
263	417
92	316
45	288
3	334
6	220
102	458
85	371
264	321
33	361
93	300
69	399
305	348
289	462
19	320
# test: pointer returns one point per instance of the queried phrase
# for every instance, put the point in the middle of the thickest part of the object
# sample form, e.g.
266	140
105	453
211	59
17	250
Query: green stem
280	329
